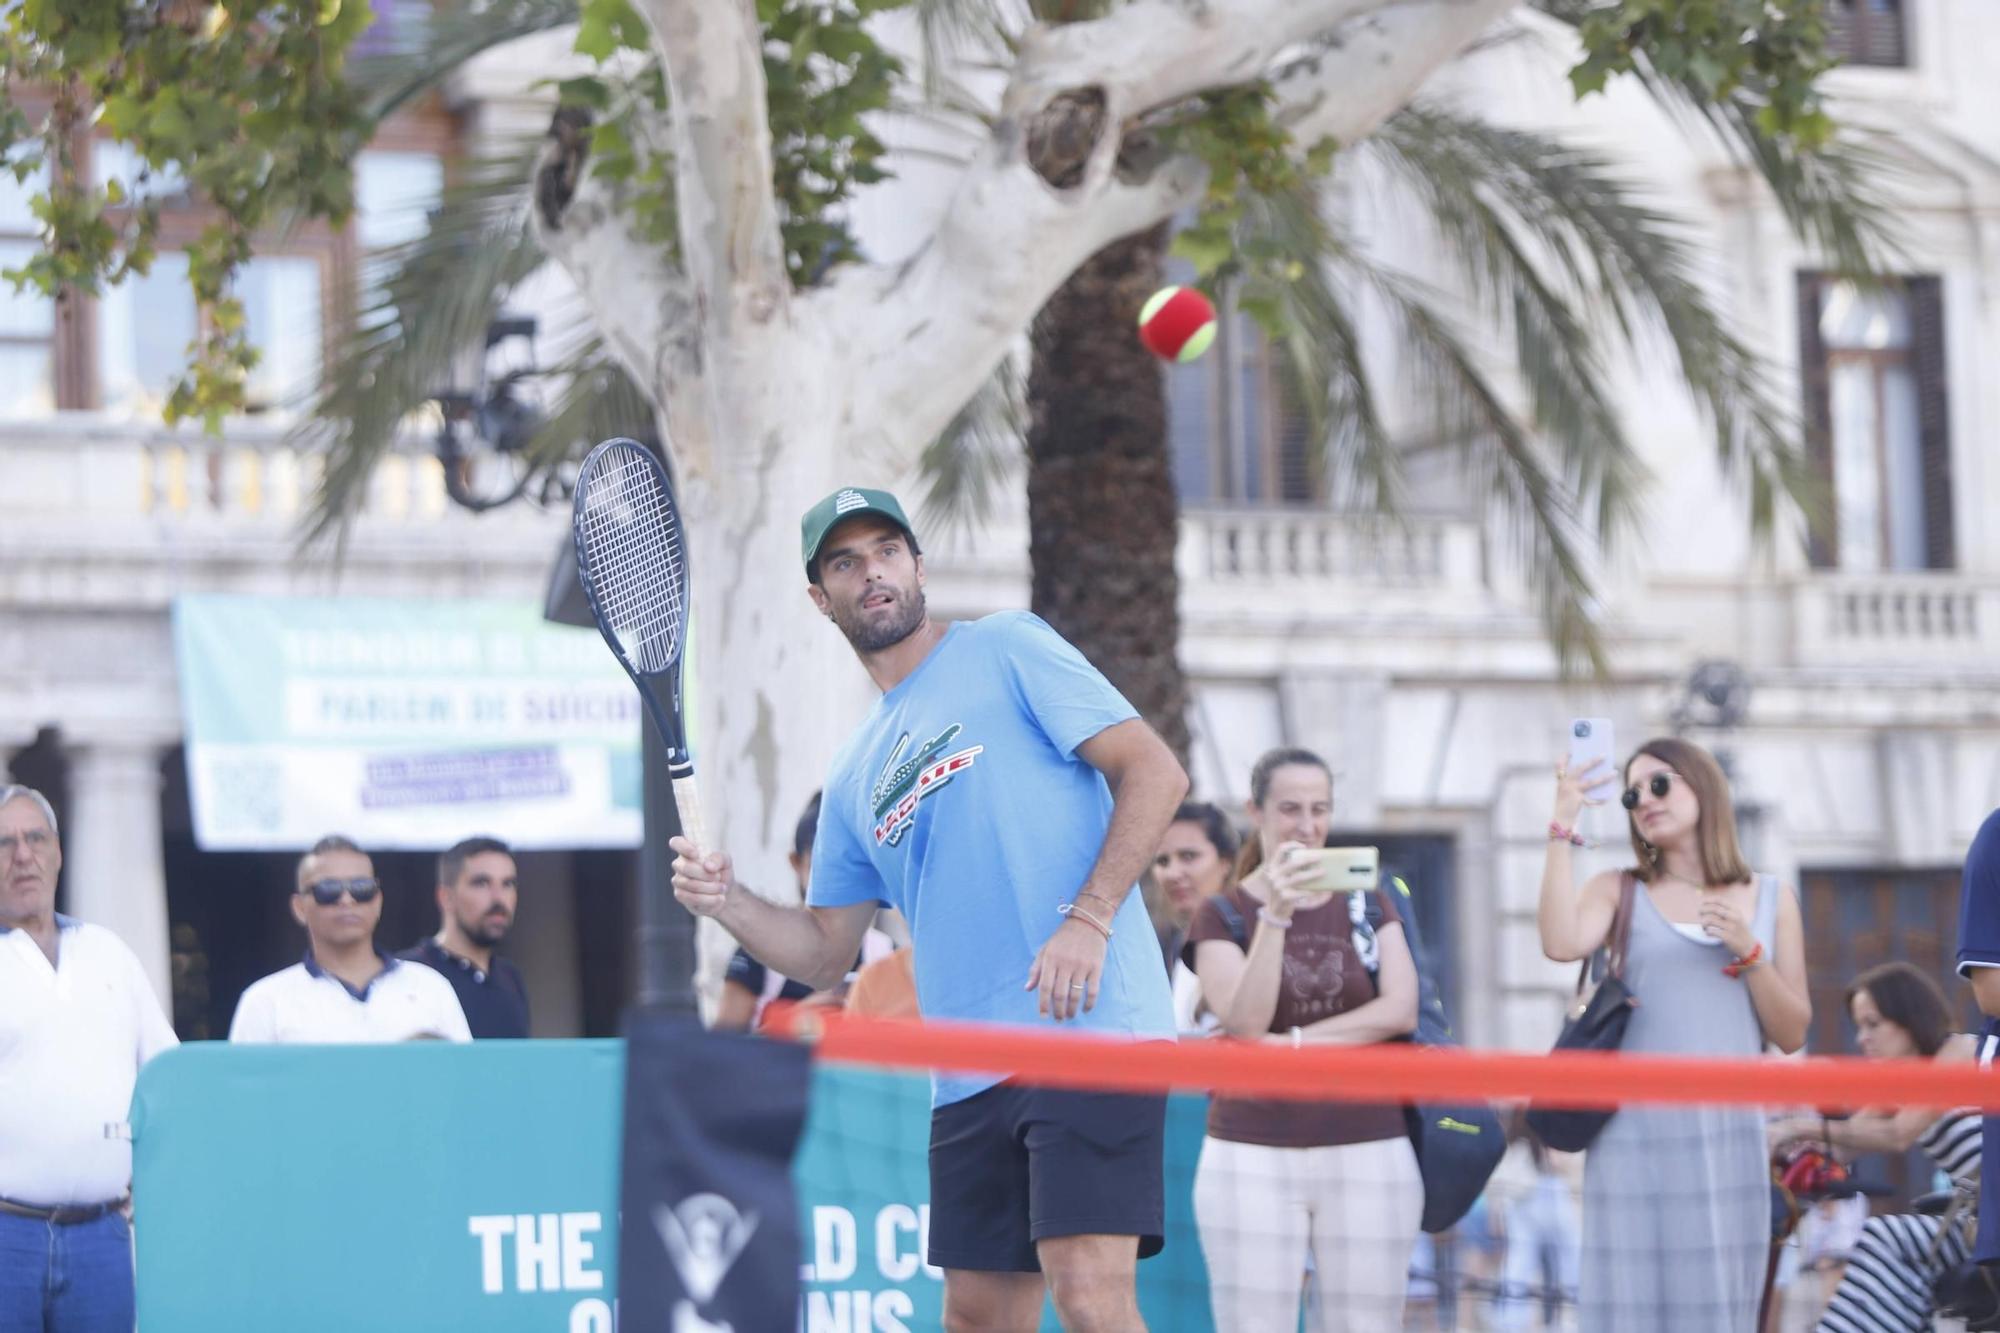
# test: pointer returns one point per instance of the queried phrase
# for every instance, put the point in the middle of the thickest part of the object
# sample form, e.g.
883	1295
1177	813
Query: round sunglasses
1659	784
326	892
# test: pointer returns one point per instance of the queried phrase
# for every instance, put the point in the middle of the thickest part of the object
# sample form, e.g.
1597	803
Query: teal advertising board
403	723
378	1189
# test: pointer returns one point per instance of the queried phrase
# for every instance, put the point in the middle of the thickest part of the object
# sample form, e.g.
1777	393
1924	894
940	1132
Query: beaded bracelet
1557	833
1074	912
1273	920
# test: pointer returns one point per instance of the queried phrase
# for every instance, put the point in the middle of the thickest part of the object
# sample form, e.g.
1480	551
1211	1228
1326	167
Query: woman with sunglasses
1676	1200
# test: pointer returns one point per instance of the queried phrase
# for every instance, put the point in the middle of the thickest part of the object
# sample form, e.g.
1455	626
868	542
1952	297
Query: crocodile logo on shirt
904	783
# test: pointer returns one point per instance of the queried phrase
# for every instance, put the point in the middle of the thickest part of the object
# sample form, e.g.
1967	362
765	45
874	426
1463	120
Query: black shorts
1016	1164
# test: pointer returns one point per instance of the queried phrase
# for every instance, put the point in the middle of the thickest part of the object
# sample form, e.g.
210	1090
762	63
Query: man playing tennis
1005	798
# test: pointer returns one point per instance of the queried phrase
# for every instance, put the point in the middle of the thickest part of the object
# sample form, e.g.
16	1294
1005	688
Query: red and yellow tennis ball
1177	324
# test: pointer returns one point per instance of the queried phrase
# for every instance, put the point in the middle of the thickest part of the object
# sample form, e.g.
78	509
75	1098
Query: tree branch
929	331
1155	52
1373	66
646	309
734	254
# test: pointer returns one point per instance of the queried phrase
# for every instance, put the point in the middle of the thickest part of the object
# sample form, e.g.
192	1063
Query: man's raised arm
813	945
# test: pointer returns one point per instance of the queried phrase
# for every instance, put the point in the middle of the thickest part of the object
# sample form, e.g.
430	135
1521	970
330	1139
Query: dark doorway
1855	919
1426	862
230	919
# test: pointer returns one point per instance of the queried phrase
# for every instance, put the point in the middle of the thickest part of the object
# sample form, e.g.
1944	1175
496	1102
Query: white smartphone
1339	869
1590	738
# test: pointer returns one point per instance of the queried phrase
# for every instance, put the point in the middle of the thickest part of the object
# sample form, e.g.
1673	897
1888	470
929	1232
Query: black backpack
1458	1144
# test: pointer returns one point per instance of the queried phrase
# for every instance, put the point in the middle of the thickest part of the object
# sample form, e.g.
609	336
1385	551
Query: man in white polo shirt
345	989
77	1019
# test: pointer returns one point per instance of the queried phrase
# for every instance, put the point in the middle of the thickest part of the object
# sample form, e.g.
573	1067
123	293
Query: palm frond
424	54
978	455
1537	498
1489	190
1833	196
435	298
1832	193
1321	363
1543	475
595	399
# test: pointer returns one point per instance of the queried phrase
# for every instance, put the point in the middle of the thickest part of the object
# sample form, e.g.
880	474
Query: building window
394	195
145	326
27	318
1867	32
396	27
285	318
123	350
1872	365
1237	432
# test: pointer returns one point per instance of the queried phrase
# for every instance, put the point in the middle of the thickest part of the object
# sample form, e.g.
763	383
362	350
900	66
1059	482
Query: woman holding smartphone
1281	1180
1676	1200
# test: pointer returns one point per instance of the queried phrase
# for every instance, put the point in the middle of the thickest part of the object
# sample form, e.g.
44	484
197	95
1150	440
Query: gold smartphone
1340	870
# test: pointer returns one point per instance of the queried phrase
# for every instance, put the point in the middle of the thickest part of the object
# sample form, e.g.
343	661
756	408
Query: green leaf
1206	248
606	26
1588	78
595	35
584	91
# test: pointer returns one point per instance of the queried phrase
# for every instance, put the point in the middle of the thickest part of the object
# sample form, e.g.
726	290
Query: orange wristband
1746	962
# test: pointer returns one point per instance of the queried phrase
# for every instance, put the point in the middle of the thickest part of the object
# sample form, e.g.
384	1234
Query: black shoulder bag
1596	1022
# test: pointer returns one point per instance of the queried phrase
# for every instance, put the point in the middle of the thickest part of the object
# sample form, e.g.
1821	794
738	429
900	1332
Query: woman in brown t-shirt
1281	1179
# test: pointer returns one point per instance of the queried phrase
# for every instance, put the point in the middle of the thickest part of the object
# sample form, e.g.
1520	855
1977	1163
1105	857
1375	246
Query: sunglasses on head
326	892
1659	784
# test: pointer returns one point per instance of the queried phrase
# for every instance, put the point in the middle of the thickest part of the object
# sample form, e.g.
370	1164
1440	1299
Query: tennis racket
633	563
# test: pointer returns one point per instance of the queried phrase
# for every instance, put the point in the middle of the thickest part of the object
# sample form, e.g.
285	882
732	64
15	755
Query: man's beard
873	637
485	931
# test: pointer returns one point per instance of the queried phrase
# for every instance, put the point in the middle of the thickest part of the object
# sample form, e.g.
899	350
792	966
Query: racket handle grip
687	800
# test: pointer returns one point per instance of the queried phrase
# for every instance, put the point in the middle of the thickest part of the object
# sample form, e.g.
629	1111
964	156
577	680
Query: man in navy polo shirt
1979	962
478	889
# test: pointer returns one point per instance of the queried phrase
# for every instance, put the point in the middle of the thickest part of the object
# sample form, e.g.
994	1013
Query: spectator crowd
1304	1210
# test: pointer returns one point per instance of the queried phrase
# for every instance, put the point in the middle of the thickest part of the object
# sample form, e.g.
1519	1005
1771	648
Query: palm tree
1559	254
1538	231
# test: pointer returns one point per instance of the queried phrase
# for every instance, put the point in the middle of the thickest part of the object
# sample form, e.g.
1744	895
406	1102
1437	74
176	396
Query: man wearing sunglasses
345	989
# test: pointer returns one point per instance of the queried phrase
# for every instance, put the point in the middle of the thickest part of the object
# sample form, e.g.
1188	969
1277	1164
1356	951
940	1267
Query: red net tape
1378	1073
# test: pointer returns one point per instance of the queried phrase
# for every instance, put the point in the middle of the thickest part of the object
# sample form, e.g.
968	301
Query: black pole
666	929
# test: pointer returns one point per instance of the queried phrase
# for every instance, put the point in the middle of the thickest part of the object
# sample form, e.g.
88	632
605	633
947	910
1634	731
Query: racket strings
633	559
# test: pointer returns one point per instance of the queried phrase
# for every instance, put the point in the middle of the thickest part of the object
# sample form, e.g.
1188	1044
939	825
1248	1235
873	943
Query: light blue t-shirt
962	803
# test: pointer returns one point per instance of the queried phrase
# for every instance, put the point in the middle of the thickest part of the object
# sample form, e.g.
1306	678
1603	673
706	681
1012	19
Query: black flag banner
709	1239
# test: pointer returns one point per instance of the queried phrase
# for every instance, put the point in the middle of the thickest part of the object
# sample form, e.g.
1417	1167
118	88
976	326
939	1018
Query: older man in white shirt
346	989
77	1019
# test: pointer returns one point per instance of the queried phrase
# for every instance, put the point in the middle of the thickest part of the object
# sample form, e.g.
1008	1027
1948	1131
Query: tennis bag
1457	1144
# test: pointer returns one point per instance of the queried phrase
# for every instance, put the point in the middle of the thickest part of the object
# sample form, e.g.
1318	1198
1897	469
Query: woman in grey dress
1676	1200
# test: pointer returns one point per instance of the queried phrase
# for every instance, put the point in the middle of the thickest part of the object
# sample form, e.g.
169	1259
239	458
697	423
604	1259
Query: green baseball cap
842	505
